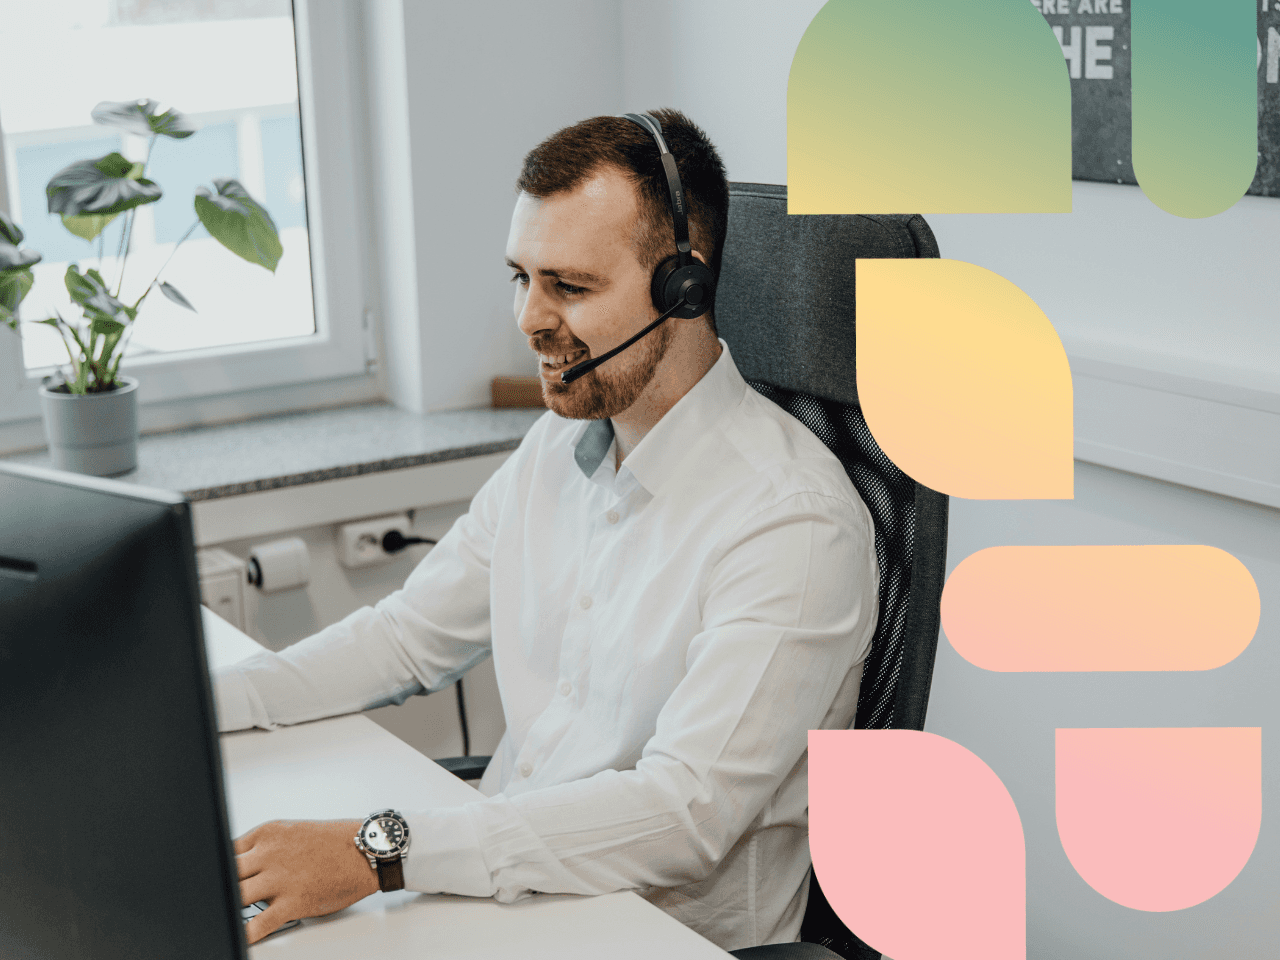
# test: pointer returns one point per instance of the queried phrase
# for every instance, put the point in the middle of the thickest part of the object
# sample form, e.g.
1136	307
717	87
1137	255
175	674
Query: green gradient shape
937	107
1195	102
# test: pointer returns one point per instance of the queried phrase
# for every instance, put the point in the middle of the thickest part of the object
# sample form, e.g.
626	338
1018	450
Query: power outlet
360	543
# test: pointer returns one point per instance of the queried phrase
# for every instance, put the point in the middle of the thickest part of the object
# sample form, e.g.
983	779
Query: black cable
394	541
462	720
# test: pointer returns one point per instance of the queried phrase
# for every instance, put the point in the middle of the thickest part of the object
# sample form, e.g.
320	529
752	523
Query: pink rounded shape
1159	819
917	844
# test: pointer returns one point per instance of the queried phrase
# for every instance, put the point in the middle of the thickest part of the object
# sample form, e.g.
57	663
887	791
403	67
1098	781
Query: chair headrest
785	297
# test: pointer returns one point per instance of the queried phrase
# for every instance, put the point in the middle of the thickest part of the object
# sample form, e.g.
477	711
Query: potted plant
90	414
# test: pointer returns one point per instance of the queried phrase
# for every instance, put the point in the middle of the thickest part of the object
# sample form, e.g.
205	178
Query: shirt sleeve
789	608
420	638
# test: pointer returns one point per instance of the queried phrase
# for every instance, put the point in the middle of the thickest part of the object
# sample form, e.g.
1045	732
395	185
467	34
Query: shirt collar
592	442
660	451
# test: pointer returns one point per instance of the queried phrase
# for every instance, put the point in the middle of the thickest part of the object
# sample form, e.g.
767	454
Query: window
231	68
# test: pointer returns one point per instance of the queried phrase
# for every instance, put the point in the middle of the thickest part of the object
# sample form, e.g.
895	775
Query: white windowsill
279	473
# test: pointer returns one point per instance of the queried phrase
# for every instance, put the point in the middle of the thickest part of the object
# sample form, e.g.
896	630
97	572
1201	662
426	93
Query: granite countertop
205	463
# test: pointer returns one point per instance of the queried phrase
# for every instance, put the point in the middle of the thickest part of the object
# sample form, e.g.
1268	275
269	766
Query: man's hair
570	156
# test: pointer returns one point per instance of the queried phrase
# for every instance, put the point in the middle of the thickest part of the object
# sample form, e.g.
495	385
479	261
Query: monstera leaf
10	232
239	222
108	185
141	117
90	291
106	327
87	226
11	258
16	278
14	285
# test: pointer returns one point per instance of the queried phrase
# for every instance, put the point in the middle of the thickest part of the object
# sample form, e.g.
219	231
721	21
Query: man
675	578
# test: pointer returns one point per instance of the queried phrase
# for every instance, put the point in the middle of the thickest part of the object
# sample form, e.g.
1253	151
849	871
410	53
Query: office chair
785	305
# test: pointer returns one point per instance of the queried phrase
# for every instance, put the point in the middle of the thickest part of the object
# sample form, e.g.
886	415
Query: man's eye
520	278
569	289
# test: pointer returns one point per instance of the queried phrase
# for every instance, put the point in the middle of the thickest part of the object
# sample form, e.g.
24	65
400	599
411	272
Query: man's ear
709	317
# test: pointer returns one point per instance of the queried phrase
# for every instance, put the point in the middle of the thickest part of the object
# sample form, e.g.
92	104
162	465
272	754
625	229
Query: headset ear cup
671	281
658	285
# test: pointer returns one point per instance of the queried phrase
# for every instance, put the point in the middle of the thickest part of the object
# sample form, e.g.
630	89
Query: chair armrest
465	768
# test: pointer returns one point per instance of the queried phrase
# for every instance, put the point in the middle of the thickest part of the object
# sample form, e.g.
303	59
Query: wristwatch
384	840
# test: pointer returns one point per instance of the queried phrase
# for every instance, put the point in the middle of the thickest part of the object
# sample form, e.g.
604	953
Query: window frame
344	344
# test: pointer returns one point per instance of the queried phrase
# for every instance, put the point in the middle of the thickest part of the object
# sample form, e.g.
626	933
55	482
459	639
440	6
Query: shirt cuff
444	854
231	700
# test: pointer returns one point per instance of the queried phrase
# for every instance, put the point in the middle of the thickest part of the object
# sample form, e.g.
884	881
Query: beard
604	392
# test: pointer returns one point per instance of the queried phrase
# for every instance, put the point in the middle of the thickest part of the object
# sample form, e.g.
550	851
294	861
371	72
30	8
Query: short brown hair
570	156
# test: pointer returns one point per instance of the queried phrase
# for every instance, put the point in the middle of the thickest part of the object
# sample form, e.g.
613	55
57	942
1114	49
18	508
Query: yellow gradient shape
896	105
1060	608
963	381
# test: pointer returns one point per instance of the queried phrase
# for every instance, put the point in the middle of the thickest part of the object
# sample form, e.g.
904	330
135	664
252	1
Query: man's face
580	291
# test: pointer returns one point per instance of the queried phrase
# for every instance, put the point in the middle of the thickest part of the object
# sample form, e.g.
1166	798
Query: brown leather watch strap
391	875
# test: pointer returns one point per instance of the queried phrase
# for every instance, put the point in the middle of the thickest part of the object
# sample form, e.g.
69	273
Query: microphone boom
573	373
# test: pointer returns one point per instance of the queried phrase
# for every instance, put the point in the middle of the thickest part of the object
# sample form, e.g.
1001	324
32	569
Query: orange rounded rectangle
1074	608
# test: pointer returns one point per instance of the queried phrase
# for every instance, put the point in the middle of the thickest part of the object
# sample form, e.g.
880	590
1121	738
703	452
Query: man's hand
302	868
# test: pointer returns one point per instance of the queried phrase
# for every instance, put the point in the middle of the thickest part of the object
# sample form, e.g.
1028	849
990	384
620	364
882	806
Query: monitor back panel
113	828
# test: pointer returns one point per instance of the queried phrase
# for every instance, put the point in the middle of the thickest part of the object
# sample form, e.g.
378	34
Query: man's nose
537	313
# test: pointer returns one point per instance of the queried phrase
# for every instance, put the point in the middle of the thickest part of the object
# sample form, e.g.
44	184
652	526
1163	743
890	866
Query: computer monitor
114	839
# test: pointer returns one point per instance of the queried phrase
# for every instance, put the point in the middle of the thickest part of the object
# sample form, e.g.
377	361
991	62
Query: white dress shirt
664	636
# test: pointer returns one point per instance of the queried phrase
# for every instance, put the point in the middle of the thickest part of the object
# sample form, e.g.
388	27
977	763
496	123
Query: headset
682	286
681	277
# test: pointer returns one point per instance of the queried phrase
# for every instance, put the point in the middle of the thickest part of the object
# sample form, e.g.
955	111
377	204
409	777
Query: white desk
322	771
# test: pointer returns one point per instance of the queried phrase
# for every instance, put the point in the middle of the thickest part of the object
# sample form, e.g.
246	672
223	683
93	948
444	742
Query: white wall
484	82
459	92
1008	719
1115	272
724	63
1121	279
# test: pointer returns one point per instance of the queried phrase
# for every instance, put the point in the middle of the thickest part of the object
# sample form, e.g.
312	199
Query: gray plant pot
96	433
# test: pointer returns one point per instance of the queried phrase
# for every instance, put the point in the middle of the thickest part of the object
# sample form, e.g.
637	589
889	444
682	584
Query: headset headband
679	219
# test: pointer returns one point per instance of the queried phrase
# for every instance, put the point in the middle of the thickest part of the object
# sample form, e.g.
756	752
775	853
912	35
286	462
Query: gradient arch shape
929	107
963	381
1068	608
1195	102
939	824
1159	819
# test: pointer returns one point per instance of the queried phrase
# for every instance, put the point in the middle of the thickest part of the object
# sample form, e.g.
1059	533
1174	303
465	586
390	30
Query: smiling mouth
562	360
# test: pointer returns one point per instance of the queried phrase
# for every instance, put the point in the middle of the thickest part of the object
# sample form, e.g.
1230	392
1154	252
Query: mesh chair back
785	306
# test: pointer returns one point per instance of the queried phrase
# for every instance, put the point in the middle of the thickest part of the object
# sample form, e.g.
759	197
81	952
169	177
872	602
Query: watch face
384	835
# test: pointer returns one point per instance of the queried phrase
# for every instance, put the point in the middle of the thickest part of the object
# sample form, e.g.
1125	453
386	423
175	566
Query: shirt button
526	769
585	603
566	688
612	516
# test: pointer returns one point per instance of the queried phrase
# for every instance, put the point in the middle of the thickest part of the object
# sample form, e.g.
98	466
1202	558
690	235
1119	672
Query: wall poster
1094	35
